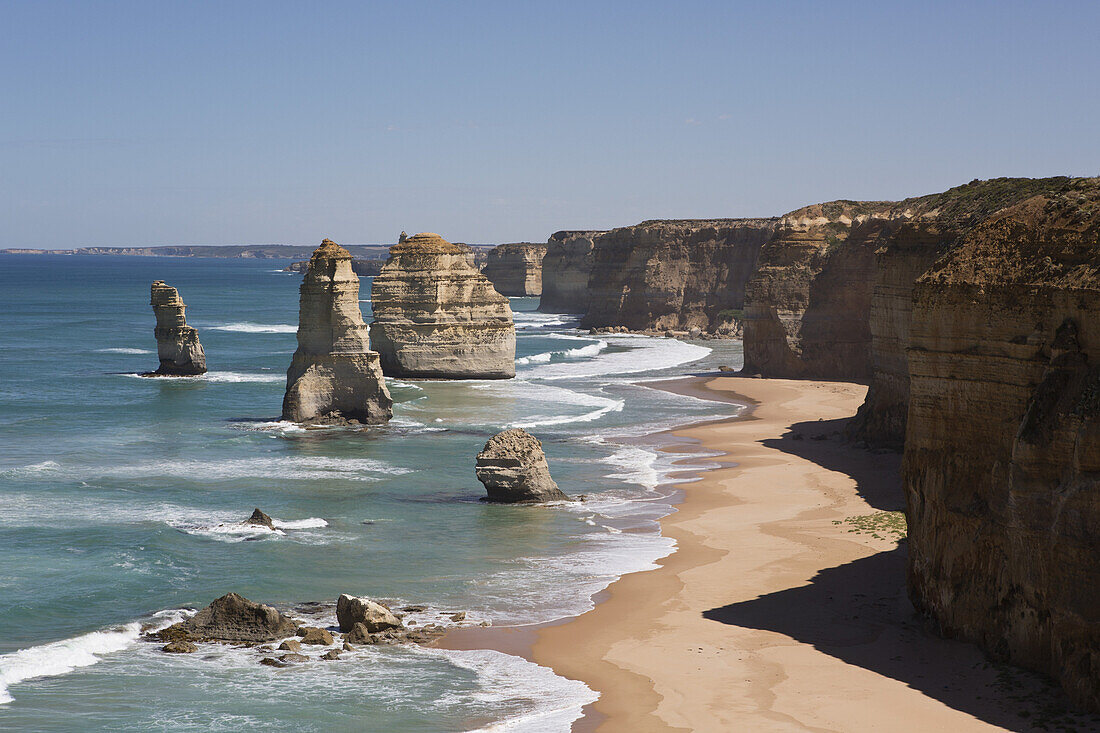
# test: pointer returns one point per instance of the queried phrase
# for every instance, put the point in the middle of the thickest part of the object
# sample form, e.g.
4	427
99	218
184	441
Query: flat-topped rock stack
178	344
436	316
334	376
516	268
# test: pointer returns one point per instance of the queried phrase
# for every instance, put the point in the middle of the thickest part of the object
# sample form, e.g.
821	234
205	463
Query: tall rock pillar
334	377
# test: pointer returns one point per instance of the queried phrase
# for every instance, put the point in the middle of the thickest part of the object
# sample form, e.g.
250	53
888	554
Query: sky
233	122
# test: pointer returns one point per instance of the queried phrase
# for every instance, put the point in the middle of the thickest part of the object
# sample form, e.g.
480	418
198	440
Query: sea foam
61	657
246	327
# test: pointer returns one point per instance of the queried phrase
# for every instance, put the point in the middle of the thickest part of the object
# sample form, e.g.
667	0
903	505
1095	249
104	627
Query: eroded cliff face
1002	449
906	248
178	346
516	269
334	377
436	316
677	274
565	270
807	305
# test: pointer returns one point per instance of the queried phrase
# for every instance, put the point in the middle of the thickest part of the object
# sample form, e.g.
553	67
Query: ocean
119	496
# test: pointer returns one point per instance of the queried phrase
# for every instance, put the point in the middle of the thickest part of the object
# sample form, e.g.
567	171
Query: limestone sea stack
513	468
178	344
516	268
334	377
436	316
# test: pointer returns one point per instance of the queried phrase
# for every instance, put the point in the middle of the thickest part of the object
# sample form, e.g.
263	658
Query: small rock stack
334	377
513	468
178	346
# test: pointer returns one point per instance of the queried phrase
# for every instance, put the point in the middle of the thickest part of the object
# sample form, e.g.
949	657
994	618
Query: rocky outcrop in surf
232	618
374	617
677	274
1002	450
566	267
178	344
334	377
516	269
436	316
512	466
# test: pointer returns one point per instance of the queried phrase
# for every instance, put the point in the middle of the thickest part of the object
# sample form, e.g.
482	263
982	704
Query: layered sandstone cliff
676	274
334	376
1002	449
436	316
178	346
807	306
565	270
516	269
906	249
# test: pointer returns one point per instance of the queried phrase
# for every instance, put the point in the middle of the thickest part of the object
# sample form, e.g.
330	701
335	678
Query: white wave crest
241	531
61	657
215	378
276	467
580	352
549	701
124	351
642	354
246	327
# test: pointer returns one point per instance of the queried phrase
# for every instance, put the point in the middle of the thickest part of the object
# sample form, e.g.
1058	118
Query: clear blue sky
141	123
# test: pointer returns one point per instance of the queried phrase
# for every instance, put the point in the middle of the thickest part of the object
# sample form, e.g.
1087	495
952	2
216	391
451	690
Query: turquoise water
118	496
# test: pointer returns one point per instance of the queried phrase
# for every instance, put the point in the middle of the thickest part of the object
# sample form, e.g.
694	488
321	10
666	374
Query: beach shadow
858	612
877	473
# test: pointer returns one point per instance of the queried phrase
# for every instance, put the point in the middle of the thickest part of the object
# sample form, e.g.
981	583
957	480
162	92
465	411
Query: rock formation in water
436	316
1002	449
678	274
260	519
178	344
334	377
516	269
513	468
232	618
352	610
565	270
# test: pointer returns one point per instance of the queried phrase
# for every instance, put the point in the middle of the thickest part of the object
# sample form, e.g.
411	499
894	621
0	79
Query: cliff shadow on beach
859	612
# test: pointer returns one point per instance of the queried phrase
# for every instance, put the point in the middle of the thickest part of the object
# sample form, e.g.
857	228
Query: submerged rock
334	376
273	662
236	619
352	610
436	316
179	647
358	634
330	655
317	637
178	344
513	468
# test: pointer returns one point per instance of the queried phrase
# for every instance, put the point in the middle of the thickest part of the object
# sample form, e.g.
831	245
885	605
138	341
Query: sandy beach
778	612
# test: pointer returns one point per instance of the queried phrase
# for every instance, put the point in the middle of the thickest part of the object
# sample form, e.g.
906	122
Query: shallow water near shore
119	496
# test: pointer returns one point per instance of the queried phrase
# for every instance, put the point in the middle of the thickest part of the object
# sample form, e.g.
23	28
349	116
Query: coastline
774	612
